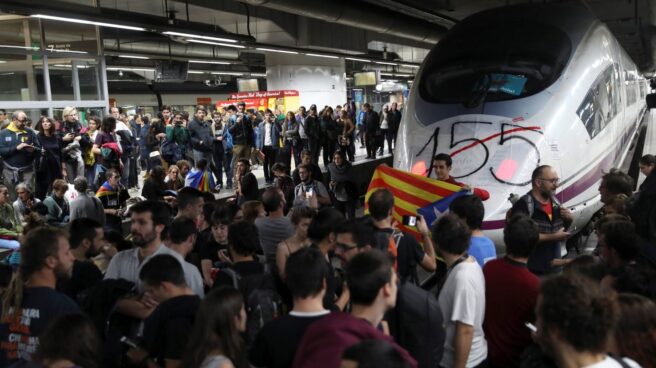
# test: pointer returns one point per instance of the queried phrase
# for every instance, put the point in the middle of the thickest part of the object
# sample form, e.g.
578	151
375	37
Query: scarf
12	127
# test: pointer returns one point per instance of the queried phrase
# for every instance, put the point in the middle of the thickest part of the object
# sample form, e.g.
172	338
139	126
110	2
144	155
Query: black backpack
261	299
416	324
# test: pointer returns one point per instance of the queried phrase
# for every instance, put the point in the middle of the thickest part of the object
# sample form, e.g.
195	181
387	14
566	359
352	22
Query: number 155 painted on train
513	88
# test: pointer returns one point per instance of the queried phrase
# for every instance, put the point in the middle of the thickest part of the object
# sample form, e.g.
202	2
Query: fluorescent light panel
209	62
133	57
356	59
226	73
70	66
324	56
200	37
127	69
410	66
276	50
82	21
215	43
384	63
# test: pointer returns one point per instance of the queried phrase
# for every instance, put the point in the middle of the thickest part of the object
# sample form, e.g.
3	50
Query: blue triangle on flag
435	210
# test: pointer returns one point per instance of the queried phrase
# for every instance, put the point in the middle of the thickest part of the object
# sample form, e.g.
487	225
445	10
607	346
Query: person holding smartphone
310	192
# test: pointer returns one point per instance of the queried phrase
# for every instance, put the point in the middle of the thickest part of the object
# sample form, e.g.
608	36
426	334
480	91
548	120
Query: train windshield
494	62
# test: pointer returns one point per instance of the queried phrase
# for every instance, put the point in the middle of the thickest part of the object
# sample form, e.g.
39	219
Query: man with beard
31	301
541	205
149	220
87	241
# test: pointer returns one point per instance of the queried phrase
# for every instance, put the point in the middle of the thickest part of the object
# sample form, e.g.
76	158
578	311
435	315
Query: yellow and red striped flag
411	192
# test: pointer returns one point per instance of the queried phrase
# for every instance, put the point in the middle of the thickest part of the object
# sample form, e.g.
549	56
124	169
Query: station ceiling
396	30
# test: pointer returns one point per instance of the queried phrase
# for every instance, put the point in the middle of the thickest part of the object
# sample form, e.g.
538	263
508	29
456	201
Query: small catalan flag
412	194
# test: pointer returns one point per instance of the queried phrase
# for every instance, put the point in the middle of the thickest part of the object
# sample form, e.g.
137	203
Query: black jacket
201	132
371	121
242	134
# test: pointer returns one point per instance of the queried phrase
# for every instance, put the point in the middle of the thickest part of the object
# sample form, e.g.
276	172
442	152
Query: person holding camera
242	138
310	192
177	137
18	148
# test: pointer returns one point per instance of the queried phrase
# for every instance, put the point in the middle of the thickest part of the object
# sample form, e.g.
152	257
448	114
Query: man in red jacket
442	165
372	283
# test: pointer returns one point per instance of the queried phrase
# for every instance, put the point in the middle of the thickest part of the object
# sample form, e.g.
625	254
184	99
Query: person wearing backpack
412	322
408	251
248	275
276	343
373	287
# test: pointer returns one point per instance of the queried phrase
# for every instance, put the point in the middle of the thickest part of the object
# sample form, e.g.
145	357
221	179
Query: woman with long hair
215	340
50	165
342	185
293	145
328	134
91	131
154	137
174	181
301	218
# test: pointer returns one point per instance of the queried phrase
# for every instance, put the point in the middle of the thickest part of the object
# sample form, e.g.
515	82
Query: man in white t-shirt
575	318
462	297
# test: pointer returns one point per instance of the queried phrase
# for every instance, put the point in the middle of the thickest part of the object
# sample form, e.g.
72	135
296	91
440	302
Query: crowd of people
292	276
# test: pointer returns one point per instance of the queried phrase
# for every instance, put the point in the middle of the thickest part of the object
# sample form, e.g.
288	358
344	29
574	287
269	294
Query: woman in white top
215	340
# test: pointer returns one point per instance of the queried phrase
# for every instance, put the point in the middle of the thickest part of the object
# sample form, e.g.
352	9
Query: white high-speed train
512	88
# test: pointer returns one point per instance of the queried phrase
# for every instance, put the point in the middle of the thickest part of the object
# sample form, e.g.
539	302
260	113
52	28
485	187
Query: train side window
602	102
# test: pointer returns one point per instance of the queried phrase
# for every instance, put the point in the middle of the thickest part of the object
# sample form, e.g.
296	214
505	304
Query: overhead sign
263	94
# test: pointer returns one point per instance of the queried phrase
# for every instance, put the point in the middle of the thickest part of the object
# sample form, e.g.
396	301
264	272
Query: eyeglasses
553	181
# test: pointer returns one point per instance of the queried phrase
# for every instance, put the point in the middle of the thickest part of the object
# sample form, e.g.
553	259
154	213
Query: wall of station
319	81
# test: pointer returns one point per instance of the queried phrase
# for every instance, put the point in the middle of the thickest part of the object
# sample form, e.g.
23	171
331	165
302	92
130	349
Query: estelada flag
411	193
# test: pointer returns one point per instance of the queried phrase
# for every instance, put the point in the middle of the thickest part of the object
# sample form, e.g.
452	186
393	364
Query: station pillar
320	81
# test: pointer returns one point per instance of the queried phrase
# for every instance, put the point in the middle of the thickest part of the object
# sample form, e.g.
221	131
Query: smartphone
572	229
409	220
531	326
129	342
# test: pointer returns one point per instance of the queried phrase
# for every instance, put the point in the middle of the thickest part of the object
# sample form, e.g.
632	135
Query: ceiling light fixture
258	75
227	73
70	66
384	63
114	68
89	22
277	50
215	43
33	48
356	59
201	37
410	66
324	56
209	62
134	57
197	72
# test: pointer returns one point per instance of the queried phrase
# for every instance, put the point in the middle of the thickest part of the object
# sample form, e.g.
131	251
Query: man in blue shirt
470	209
